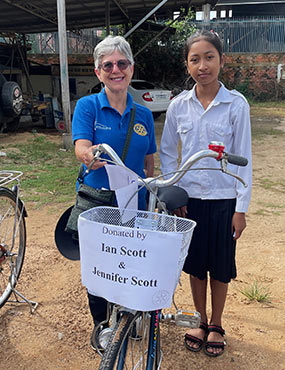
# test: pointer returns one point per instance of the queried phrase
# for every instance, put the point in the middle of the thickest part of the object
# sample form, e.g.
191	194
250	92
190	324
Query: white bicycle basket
133	258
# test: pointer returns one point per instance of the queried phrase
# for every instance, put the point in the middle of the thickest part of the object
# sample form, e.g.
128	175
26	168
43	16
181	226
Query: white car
145	93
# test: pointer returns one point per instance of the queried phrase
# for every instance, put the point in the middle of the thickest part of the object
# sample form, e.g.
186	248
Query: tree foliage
163	61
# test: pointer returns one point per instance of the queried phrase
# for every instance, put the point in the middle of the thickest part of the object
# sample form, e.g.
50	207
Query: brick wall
255	75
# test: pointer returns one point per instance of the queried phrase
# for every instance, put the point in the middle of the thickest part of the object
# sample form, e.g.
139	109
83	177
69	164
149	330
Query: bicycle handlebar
236	159
157	182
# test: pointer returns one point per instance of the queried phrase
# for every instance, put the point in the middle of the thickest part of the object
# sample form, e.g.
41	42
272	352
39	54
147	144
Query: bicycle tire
12	242
124	352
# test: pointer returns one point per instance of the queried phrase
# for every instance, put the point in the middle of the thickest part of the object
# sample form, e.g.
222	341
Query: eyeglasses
122	64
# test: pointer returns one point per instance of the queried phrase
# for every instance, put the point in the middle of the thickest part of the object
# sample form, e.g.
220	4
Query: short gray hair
109	45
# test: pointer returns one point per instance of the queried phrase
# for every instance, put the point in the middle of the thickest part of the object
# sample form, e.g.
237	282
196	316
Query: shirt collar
223	96
104	102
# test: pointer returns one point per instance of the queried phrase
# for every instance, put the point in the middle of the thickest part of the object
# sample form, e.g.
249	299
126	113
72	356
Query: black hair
209	36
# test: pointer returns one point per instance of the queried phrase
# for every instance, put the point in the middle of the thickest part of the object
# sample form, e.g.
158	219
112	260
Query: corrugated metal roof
41	15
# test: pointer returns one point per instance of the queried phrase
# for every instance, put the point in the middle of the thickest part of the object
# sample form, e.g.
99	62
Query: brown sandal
193	339
220	330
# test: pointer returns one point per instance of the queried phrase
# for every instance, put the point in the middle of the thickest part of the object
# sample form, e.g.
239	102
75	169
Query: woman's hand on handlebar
89	159
84	151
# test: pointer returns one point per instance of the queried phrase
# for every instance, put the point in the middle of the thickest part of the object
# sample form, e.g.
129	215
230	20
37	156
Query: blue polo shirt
95	120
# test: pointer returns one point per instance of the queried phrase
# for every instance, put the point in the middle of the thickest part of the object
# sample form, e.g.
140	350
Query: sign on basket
136	264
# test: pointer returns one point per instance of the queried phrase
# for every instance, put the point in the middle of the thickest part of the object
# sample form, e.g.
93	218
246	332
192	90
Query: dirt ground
56	335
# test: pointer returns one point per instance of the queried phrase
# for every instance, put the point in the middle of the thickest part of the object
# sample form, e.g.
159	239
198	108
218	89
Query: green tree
163	61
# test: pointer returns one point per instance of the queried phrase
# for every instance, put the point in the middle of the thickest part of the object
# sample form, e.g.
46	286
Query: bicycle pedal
190	319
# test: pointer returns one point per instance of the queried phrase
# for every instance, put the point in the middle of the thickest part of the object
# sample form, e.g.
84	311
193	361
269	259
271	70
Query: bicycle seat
173	196
67	243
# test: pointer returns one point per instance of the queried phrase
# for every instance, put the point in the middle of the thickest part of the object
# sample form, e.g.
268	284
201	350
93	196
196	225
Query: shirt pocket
185	128
186	134
219	130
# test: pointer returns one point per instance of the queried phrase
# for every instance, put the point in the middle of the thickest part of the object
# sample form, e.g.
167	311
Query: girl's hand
238	224
181	212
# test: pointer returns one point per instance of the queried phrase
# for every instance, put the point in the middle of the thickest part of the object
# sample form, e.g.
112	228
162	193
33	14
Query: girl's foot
194	340
215	343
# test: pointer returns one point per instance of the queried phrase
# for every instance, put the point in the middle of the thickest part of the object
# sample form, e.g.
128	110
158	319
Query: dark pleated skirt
212	248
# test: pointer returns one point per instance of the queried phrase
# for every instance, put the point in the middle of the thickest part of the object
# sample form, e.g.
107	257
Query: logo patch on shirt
140	129
100	126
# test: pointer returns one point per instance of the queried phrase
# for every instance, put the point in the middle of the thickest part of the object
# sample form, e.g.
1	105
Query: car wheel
156	114
12	99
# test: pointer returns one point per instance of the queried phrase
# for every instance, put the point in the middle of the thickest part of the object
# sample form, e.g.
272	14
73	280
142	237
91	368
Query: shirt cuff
242	206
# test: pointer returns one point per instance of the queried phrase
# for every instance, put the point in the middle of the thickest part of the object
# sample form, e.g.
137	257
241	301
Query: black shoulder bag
88	197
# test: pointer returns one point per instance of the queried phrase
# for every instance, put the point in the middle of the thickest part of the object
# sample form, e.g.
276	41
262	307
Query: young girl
217	202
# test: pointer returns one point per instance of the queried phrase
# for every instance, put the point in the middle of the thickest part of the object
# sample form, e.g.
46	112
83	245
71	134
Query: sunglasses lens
122	65
107	67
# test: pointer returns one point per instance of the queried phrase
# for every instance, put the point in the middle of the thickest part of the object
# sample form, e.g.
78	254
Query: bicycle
12	237
133	339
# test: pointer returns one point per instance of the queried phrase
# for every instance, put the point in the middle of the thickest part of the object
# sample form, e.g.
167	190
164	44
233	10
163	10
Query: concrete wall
259	76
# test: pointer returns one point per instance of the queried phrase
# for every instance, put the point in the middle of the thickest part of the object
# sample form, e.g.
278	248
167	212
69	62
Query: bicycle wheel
12	242
134	344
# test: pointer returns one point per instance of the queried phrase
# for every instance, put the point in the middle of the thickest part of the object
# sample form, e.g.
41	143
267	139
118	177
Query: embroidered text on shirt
100	126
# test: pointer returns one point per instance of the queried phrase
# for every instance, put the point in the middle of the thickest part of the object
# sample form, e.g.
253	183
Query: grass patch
271	205
257	292
276	186
50	172
267	104
268	109
265	126
265	119
266	212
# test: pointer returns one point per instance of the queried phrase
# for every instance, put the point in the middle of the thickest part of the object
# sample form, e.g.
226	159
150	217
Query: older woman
104	118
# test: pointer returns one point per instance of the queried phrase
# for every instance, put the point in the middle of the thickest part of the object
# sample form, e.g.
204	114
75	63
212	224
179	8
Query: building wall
79	85
50	85
259	76
41	84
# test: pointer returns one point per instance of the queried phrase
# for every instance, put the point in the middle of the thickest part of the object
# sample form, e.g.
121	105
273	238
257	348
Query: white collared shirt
226	119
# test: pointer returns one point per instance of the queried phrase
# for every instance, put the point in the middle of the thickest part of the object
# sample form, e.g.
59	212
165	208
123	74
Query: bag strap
81	173
129	134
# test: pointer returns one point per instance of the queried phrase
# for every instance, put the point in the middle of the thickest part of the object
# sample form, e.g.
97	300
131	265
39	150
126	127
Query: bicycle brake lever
97	151
224	169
